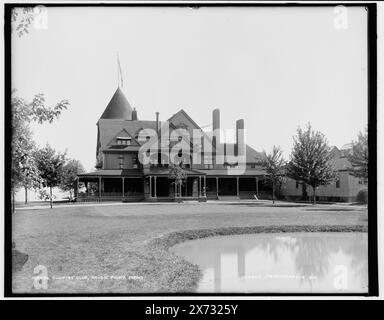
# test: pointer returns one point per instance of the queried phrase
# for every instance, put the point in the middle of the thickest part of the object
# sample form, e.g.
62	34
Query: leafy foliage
21	20
359	156
69	174
24	171
178	174
273	165
50	165
310	161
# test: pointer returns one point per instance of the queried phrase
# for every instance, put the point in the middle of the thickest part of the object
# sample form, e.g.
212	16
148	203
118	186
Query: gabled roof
118	107
181	111
109	128
123	134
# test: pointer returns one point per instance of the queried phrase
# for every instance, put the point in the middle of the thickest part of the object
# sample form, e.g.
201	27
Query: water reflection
283	262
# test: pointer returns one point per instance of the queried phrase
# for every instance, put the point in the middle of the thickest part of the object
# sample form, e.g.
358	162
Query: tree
23	166
179	175
21	20
359	156
69	174
24	171
50	165
273	165
310	161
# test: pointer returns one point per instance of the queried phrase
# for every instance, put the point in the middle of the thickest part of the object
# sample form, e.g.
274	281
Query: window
253	165
338	183
180	153
126	141
121	161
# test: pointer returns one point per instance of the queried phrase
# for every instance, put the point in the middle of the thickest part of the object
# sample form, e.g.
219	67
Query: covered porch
160	186
110	185
221	184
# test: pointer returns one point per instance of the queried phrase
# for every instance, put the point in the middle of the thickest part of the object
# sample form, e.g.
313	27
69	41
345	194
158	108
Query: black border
372	144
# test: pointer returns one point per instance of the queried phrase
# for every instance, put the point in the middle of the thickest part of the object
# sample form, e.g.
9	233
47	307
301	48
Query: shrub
362	196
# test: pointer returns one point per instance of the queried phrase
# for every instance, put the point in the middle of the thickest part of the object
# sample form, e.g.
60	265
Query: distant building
121	176
345	188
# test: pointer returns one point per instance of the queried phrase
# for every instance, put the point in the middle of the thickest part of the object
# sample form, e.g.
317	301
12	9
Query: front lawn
123	248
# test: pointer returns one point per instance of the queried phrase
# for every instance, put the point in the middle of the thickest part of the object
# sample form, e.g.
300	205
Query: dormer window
123	141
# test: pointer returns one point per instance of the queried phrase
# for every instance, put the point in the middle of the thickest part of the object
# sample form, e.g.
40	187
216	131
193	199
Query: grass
124	249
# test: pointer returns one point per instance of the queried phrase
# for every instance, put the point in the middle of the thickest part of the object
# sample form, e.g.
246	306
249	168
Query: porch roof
113	173
234	172
158	171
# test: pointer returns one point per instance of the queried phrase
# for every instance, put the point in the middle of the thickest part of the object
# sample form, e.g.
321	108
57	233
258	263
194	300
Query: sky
277	68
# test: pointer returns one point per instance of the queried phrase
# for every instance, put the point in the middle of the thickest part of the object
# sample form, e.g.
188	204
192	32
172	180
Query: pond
308	262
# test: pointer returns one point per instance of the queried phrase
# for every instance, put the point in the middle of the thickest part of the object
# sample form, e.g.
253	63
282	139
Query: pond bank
189	283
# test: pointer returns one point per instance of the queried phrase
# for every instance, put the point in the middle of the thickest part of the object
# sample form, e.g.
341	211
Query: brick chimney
134	114
216	126
240	137
157	122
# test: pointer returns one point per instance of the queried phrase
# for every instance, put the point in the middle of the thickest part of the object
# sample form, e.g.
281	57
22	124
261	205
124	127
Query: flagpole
117	65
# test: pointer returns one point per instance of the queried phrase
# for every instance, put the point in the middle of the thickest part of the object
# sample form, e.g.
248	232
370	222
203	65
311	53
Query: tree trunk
314	194
26	195
13	201
273	192
180	190
50	198
70	195
304	192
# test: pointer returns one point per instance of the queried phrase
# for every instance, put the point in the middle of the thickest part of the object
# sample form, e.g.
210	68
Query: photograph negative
190	149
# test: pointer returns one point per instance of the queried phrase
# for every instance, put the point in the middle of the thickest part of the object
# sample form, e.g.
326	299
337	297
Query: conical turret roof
118	107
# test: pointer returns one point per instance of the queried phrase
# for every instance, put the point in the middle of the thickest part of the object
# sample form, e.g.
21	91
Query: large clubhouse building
120	174
224	171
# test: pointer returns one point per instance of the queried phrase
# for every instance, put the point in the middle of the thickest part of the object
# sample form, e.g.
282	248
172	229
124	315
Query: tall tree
69	174
179	176
310	161
273	165
50	164
24	172
23	167
359	156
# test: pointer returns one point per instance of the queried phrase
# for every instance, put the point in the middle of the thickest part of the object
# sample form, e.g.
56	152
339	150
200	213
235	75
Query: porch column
237	186
122	181
205	188
200	186
155	195
257	186
150	186
99	188
217	186
186	186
